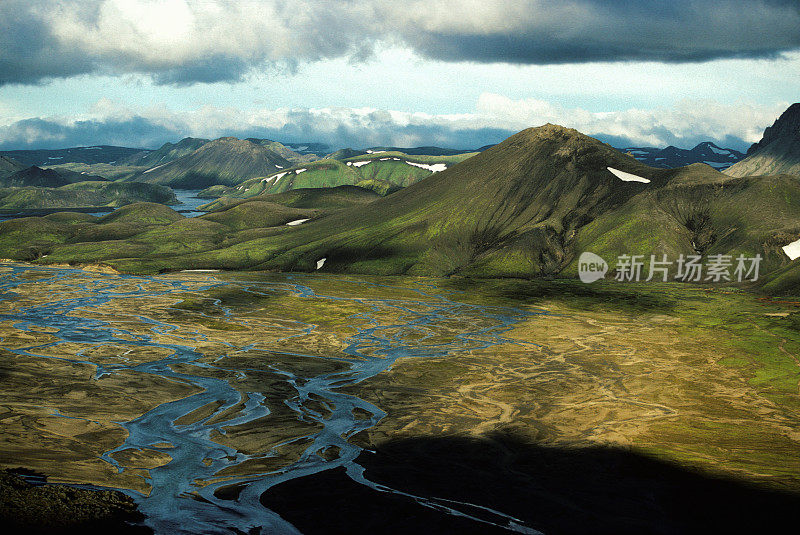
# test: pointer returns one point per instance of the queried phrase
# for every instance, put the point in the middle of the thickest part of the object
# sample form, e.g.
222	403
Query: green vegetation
31	237
148	235
382	172
9	166
142	214
226	161
327	199
257	214
166	153
84	195
35	177
524	208
105	170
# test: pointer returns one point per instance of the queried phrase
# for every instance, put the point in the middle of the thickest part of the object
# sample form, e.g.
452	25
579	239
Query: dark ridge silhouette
35	176
28	506
555	490
778	151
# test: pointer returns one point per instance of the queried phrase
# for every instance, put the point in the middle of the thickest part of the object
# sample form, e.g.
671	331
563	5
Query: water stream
176	503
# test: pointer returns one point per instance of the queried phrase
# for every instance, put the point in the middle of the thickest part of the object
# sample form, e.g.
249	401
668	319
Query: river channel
184	494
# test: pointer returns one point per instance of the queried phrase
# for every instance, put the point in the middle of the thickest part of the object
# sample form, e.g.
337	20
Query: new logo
591	267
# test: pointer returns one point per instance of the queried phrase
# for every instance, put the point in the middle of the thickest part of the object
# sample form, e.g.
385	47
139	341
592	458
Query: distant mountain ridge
670	157
777	152
526	207
306	148
423	151
9	166
34	176
89	155
166	153
295	154
381	171
83	195
225	161
286	152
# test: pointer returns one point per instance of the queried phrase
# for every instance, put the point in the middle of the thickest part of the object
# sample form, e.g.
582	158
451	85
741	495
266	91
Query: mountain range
25	189
164	154
88	155
34	176
381	171
230	162
524	208
671	157
9	166
82	195
226	161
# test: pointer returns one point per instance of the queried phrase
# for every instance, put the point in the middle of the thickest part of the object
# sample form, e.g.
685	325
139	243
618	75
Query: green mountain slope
328	199
226	161
154	233
9	166
166	153
731	216
34	177
284	151
381	172
343	154
507	211
95	154
48	178
139	165
84	195
104	170
524	208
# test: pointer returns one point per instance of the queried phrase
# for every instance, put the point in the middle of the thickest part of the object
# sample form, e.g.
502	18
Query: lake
187	205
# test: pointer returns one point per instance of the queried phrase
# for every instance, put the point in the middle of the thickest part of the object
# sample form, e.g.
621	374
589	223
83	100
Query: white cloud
685	124
494	118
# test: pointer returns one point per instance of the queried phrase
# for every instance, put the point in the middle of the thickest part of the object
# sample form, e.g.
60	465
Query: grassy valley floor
545	406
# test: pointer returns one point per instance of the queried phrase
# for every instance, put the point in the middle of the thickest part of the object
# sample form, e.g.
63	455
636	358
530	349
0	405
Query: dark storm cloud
190	41
28	52
622	30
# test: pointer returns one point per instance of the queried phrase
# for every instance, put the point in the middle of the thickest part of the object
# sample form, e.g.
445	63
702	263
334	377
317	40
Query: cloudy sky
454	73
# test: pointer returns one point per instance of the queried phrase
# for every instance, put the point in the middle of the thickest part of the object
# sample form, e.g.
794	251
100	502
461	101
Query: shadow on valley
597	296
555	490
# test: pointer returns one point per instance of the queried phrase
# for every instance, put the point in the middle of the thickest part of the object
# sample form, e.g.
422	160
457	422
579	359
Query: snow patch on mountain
434	168
792	250
274	177
628	177
156	167
717	150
